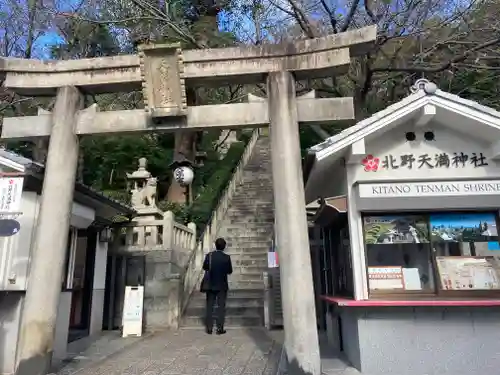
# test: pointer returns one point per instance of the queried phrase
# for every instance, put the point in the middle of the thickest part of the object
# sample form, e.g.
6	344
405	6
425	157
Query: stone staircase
247	228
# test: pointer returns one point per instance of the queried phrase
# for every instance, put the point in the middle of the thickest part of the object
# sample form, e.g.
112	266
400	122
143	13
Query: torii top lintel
313	58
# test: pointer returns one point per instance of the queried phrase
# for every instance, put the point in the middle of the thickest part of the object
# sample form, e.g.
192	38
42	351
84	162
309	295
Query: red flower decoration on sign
370	163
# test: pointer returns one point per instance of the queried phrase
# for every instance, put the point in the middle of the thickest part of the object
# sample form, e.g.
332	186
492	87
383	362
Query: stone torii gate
162	72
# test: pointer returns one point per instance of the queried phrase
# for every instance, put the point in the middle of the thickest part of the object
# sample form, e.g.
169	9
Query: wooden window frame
438	292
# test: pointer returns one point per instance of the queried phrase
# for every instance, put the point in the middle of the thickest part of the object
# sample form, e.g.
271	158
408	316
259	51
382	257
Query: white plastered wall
98	290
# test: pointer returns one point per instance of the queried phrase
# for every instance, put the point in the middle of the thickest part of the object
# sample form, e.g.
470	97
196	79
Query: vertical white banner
11	190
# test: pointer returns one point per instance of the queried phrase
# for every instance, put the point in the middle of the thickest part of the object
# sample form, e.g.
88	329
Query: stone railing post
192	226
168	230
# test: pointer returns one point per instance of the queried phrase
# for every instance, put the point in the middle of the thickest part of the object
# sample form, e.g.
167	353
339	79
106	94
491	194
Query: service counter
410	337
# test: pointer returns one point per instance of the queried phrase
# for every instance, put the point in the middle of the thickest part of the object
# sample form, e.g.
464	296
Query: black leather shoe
208	331
220	331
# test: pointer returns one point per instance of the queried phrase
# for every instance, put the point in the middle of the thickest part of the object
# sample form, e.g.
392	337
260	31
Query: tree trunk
40	149
30	40
185	147
185	141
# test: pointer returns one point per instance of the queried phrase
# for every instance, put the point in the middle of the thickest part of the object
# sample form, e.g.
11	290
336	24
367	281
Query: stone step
245	262
250	253
240	217
250	212
255	257
243	273
252	265
238	245
250	248
258	226
265	191
258	194
232	311
250	237
249	230
243	279
235	229
249	222
249	217
254	284
249	293
257	261
247	270
242	260
230	322
253	302
250	208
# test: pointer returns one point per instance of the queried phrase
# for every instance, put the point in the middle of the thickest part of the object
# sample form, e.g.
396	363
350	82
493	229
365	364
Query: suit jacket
219	265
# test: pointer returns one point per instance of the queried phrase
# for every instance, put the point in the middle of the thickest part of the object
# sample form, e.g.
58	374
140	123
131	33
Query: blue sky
43	43
466	220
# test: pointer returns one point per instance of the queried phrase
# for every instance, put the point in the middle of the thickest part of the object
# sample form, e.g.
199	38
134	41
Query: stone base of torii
163	74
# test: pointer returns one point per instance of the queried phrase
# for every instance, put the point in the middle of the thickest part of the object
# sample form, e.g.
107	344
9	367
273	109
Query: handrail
193	268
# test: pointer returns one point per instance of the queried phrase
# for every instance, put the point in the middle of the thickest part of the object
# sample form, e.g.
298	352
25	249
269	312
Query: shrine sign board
430	189
372	163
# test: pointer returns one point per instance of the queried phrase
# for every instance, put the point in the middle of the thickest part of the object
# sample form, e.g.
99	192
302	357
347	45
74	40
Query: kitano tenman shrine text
429	189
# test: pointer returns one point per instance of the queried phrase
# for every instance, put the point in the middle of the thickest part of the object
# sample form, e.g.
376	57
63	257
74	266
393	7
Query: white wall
447	141
15	251
62	326
10	317
97	310
81	216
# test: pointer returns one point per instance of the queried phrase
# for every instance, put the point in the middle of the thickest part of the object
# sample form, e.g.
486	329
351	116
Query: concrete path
183	352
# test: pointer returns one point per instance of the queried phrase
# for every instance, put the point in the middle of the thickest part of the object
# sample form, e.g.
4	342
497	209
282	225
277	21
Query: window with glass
428	254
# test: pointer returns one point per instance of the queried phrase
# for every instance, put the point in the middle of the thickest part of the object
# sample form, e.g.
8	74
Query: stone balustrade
166	234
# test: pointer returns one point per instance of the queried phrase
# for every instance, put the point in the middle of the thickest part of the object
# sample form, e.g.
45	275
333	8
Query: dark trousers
220	296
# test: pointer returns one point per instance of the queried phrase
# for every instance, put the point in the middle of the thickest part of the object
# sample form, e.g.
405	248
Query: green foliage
84	39
108	159
182	212
216	176
203	205
308	138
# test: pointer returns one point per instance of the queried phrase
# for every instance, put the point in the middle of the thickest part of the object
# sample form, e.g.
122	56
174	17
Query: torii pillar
297	290
48	254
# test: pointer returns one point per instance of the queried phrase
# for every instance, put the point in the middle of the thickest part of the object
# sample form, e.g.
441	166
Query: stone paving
183	352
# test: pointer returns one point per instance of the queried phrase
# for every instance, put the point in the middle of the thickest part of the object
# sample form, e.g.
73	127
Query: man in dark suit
218	265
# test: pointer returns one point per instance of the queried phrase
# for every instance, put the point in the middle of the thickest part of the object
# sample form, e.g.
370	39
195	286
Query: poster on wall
11	190
468	273
466	227
385	278
395	229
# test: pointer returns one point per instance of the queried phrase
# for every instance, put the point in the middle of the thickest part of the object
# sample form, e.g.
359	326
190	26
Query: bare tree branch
440	68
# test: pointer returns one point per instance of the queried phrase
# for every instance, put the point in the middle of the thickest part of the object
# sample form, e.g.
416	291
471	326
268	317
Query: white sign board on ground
11	190
430	189
132	311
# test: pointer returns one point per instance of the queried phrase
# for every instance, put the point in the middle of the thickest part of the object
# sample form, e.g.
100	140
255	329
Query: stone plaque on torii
162	72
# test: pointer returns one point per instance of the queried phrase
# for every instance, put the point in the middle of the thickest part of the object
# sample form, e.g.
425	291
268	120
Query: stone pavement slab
183	352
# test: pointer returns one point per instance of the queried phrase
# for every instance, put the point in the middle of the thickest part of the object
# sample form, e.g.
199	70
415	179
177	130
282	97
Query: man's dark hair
220	243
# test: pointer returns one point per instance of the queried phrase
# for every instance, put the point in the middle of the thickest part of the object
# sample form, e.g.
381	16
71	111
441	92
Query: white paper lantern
184	175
